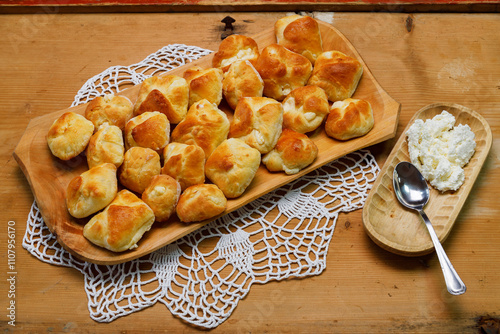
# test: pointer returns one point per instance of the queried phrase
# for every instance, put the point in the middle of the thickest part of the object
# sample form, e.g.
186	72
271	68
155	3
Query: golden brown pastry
200	202
69	135
185	163
300	34
282	71
92	191
122	223
205	125
257	121
111	109
168	94
204	84
293	152
241	80
337	73
106	145
150	129
235	47
349	119
162	196
139	166
232	166
305	108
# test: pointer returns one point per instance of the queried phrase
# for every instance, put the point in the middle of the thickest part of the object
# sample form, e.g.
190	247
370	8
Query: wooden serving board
400	230
49	176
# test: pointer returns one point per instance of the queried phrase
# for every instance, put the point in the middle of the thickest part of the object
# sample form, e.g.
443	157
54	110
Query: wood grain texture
419	59
400	230
49	176
113	6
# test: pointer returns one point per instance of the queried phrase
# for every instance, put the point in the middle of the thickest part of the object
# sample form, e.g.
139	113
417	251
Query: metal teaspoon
412	191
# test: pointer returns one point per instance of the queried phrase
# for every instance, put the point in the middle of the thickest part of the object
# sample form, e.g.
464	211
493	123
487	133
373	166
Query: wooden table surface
418	58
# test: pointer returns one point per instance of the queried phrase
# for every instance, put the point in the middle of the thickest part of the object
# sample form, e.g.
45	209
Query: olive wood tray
49	176
400	230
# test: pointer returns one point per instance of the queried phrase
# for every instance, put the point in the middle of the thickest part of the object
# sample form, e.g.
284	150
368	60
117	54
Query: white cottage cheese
440	150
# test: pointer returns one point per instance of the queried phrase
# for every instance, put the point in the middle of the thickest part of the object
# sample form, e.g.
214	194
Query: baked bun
282	71
150	129
293	152
92	191
349	118
168	94
241	80
106	145
185	163
257	121
305	108
300	34
232	166
122	224
204	84
111	109
233	48
161	196
205	125
337	73
200	202
69	135
139	166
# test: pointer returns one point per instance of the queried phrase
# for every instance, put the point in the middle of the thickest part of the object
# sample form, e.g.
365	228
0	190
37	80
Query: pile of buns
177	151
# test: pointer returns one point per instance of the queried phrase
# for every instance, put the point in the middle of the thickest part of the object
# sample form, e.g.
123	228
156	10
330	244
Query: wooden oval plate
400	230
49	177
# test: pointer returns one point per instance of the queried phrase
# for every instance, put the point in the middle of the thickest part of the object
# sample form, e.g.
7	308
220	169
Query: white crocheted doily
202	277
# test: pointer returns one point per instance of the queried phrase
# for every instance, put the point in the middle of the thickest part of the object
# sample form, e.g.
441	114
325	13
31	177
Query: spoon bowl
410	186
412	191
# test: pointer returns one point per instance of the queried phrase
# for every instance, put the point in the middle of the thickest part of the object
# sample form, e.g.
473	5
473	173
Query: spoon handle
453	282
